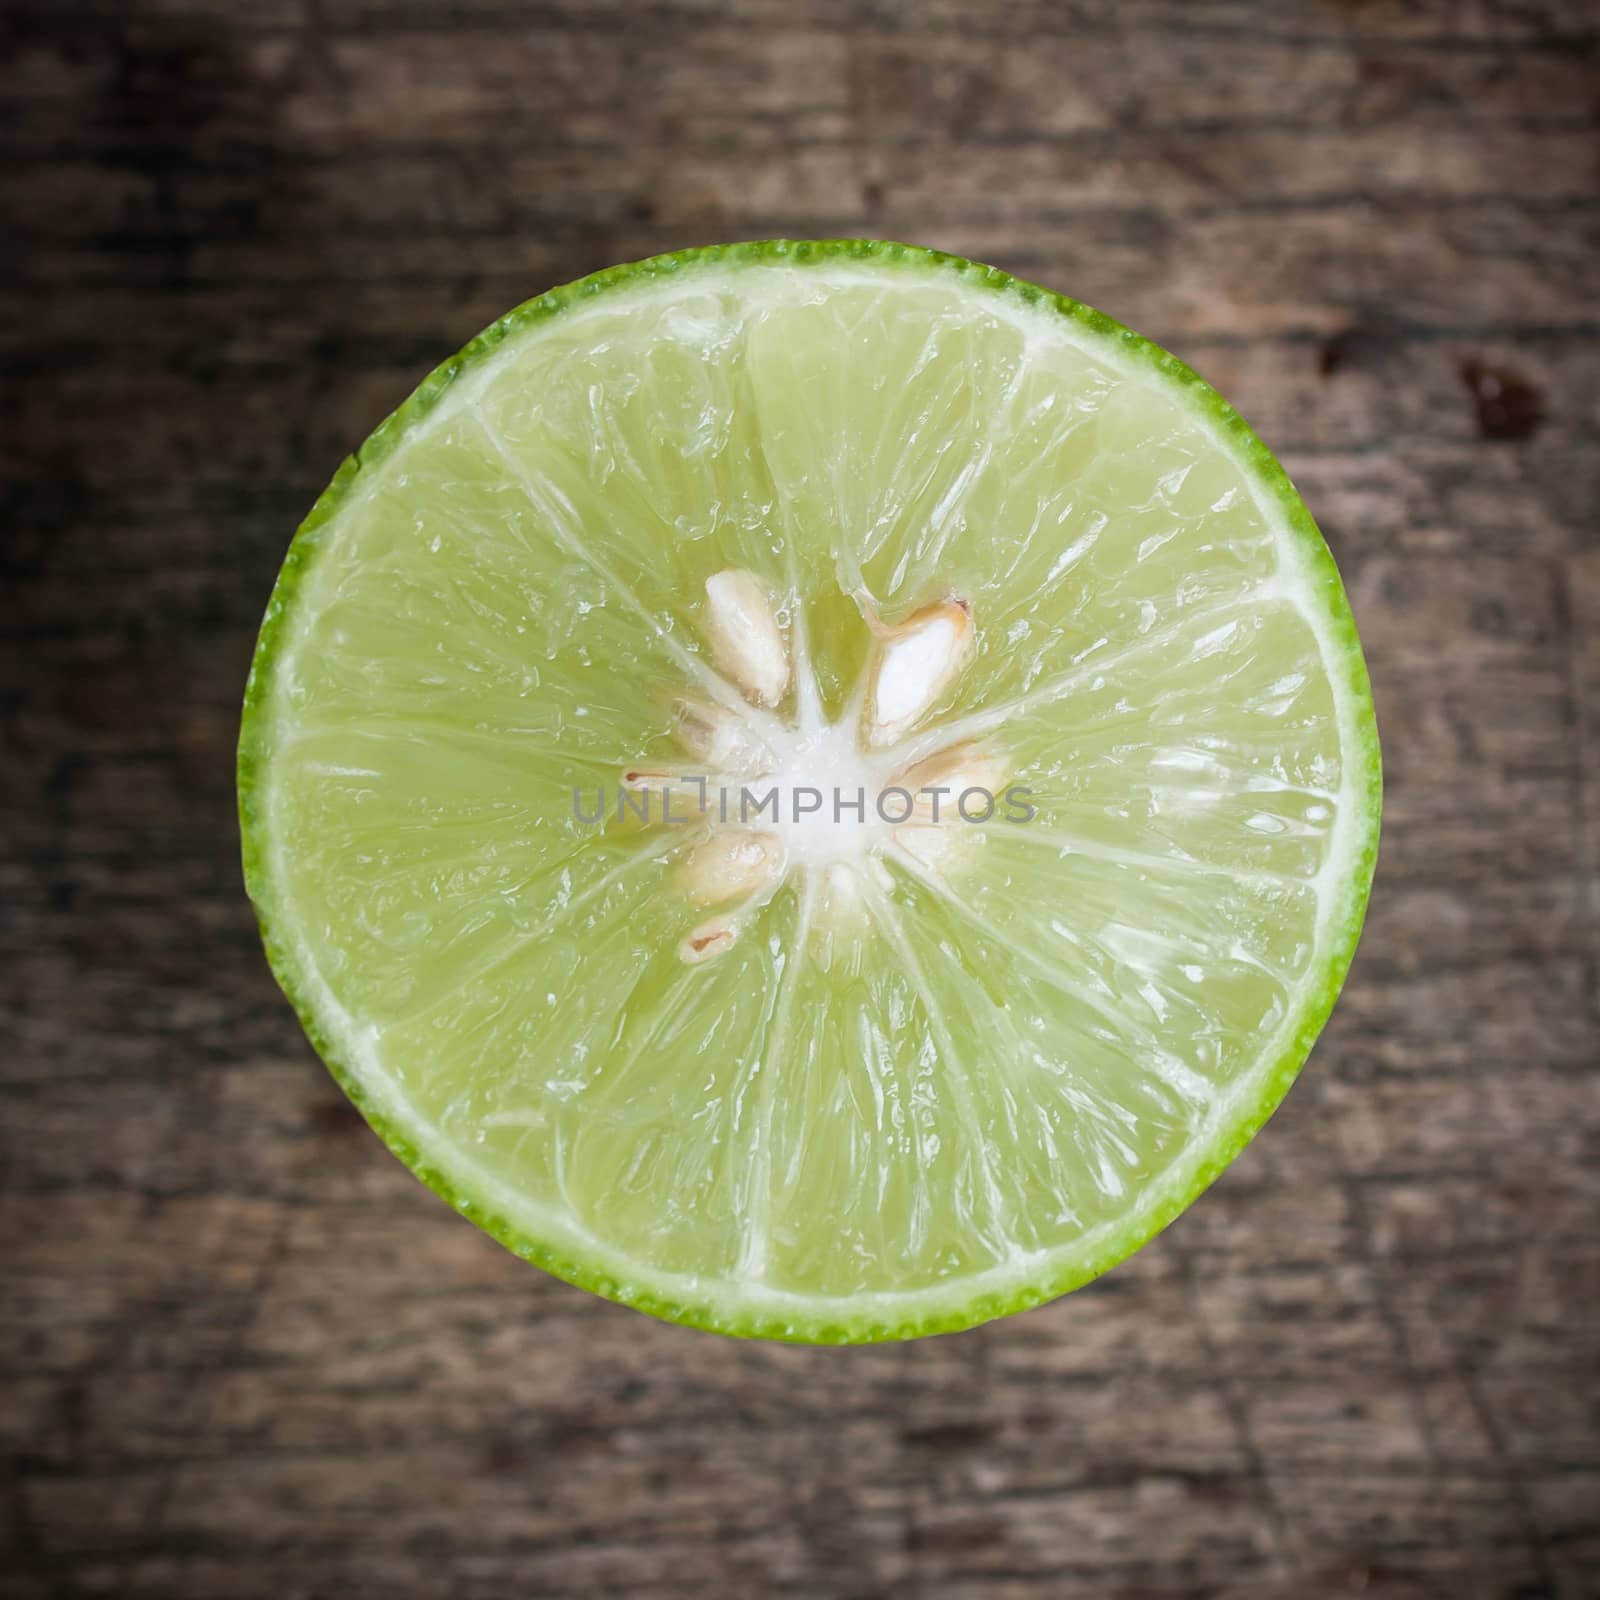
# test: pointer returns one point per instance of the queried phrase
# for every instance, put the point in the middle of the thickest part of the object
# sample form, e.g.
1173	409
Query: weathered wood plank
243	1354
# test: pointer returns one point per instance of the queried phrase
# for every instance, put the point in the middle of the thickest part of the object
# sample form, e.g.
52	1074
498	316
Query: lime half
816	790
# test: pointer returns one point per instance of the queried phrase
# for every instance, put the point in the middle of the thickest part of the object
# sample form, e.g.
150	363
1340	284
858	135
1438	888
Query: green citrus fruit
769	522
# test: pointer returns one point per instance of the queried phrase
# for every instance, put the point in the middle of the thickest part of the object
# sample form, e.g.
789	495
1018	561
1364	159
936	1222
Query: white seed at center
732	864
721	739
940	784
914	664
745	638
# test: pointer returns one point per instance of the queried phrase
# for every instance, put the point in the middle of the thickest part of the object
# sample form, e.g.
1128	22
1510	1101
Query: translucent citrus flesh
1007	1073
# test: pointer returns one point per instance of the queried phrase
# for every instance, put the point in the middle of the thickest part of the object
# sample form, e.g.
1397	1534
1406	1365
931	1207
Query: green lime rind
960	1309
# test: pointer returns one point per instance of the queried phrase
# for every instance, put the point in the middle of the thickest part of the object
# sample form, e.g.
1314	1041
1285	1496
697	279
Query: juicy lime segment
746	526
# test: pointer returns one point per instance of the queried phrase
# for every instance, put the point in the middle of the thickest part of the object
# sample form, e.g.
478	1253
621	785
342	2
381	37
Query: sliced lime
782	519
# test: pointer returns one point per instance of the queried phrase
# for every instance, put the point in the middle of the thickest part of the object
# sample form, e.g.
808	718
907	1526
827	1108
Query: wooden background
244	1354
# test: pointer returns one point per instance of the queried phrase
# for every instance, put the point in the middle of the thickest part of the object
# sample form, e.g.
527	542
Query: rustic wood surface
244	1354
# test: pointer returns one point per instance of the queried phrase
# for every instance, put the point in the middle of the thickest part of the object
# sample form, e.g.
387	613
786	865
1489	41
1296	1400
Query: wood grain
244	1354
